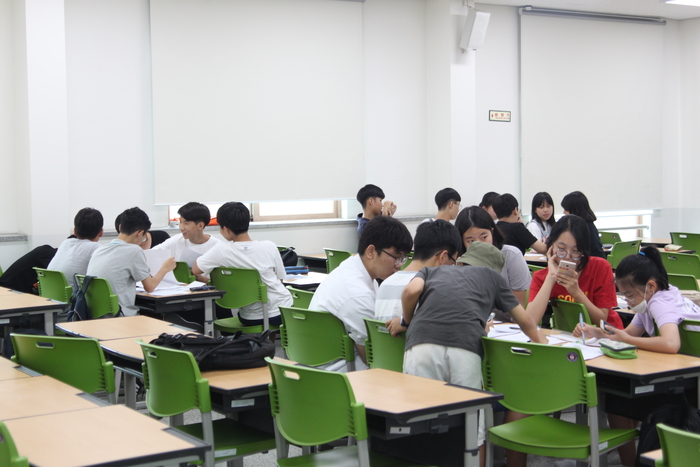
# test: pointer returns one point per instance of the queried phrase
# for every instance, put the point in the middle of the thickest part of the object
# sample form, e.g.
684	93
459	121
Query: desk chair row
100	298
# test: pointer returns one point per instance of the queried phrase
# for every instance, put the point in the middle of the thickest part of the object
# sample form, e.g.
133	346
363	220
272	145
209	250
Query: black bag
289	256
235	352
79	310
676	413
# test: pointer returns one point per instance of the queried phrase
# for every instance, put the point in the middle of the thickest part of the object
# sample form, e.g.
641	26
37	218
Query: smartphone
566	266
491	316
607	327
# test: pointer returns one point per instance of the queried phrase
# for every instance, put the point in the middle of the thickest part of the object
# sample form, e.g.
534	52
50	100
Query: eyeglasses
398	260
574	255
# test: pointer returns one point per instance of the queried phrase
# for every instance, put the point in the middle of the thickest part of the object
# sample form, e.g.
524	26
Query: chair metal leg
237	462
208	435
363	453
281	444
471	448
488	412
130	390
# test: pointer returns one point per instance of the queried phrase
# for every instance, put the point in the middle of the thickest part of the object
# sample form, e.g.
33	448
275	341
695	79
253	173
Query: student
350	291
542	216
21	275
475	225
240	251
371	197
74	253
576	203
436	244
487	203
447	201
123	263
153	237
506	208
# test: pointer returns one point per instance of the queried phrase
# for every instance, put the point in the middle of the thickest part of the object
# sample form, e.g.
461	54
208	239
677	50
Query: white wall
8	210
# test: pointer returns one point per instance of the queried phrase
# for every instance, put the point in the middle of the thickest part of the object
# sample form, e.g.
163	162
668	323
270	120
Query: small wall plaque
499	115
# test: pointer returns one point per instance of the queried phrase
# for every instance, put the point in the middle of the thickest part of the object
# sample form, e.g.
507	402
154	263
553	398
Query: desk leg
129	390
49	322
209	317
471	448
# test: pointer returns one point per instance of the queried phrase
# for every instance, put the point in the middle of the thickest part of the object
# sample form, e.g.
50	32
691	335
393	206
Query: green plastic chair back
533	269
243	287
302	298
8	451
684	282
565	314
689	331
100	298
315	338
384	350
175	385
76	361
679	448
609	238
681	263
183	273
53	285
689	241
621	250
334	258
281	248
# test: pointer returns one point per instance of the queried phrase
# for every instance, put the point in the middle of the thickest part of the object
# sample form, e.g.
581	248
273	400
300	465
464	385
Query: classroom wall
7	160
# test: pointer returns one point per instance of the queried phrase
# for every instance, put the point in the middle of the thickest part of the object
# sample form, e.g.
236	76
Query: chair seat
234	324
343	457
232	439
547	436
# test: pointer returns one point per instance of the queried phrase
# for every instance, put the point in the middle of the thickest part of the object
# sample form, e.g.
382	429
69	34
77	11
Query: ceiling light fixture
682	2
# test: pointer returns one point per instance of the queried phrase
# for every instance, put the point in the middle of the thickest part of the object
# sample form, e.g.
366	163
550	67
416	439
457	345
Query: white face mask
641	307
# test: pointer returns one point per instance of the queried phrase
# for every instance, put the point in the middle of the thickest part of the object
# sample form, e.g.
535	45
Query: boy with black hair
240	251
447	201
349	292
123	263
371	197
436	244
510	223
153	237
487	203
191	242
75	252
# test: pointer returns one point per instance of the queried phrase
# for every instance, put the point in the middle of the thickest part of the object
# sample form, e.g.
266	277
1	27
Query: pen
580	321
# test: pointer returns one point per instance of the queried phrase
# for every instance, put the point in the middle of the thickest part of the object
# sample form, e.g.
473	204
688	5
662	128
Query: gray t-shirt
455	303
73	257
123	265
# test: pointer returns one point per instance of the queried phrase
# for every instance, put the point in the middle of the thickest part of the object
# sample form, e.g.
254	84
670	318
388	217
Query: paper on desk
588	351
554	340
518	336
155	260
189	256
502	330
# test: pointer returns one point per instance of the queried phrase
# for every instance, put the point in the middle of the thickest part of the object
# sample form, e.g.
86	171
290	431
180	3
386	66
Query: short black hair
235	216
487	199
88	223
638	269
579	229
476	216
576	203
369	191
433	237
504	205
132	220
539	200
444	196
195	212
385	232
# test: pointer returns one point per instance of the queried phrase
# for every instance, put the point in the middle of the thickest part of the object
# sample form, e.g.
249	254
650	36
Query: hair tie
642	253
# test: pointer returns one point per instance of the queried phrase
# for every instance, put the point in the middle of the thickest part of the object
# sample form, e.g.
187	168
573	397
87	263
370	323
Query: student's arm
388	208
361	352
151	282
409	297
527	325
668	340
394	326
539	247
196	270
569	279
542	291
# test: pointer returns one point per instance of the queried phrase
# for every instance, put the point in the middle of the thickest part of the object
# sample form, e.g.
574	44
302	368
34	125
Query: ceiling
625	7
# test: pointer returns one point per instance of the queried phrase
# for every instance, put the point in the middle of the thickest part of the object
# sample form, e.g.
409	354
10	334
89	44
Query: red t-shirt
596	281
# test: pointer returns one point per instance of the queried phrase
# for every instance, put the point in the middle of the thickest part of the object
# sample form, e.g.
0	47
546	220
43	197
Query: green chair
315	338
175	385
409	258
243	287
609	238
679	448
541	379
565	314
689	330
281	248
100	298
9	456
334	258
681	263
689	241
76	361
53	285
684	282
621	250
533	269
383	349
183	273
302	298
313	407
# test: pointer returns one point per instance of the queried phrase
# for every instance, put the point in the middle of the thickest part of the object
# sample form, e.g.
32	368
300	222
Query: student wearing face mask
643	281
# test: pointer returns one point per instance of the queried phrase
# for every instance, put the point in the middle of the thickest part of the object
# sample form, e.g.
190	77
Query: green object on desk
183	273
100	299
383	349
621	250
8	451
679	448
334	258
175	385
565	314
53	285
689	241
540	379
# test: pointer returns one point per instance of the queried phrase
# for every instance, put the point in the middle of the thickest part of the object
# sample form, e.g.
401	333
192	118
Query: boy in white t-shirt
240	251
75	252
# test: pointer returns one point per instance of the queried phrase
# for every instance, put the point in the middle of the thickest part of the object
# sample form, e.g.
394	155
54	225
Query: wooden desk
308	281
40	395
182	302
120	328
649	458
6	291
105	436
536	259
18	304
315	261
10	370
660	242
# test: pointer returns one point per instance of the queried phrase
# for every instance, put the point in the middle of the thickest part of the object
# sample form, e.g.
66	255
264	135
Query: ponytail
640	268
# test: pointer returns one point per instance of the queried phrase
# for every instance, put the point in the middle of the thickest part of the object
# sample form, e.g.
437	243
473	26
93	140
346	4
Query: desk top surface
649	458
113	435
8	370
128	347
6	291
189	295
15	301
40	395
120	328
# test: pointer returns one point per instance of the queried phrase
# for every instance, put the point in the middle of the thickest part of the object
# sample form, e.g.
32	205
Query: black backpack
78	310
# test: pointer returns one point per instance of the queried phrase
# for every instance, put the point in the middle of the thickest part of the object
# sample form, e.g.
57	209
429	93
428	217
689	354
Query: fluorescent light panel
682	2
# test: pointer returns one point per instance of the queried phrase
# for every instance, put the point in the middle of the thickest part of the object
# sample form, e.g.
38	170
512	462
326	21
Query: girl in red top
591	284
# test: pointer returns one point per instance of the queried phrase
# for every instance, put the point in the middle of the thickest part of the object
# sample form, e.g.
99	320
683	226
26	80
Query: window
281	210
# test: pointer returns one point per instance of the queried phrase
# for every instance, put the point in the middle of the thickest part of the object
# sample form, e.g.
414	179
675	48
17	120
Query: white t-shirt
73	257
177	245
388	304
539	231
515	270
348	293
261	255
